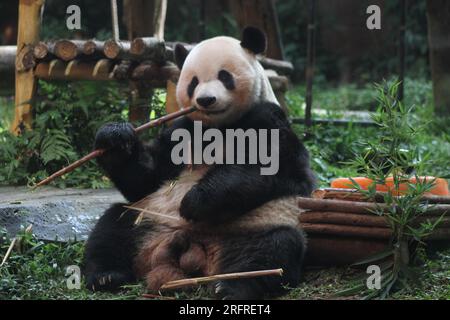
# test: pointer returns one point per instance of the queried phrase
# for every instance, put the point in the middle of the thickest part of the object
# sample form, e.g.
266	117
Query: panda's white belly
163	206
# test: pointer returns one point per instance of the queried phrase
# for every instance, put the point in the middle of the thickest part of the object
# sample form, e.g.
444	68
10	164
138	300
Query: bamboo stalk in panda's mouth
96	153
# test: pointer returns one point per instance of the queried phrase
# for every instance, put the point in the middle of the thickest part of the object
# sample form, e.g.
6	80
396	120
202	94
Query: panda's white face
221	79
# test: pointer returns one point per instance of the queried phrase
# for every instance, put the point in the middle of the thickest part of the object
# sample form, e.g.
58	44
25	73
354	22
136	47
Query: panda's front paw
107	280
120	141
195	206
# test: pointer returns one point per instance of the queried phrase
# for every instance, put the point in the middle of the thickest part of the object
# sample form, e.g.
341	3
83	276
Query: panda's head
222	77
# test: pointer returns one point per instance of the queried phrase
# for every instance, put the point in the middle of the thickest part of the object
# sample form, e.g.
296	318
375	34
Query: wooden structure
342	228
144	60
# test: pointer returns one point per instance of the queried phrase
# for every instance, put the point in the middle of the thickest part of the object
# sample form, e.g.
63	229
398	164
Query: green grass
36	270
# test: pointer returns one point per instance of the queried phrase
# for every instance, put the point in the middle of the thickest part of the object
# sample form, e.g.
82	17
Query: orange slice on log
440	186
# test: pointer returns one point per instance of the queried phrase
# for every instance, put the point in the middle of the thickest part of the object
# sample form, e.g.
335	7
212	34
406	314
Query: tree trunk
438	15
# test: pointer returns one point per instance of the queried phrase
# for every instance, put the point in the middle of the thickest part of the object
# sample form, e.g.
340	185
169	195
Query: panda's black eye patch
192	86
227	79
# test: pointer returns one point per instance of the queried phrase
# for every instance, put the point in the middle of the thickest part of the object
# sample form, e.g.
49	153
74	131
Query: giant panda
199	220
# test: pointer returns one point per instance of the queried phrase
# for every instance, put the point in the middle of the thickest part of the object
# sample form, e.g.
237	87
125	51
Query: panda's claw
107	281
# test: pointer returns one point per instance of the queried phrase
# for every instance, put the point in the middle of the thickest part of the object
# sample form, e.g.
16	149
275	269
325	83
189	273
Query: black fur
109	252
180	54
223	194
227	79
254	40
283	247
191	87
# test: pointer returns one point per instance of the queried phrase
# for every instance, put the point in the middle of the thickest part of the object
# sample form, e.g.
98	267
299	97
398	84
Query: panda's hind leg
281	247
110	249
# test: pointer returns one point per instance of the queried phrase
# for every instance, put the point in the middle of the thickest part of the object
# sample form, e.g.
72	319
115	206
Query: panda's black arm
136	169
226	192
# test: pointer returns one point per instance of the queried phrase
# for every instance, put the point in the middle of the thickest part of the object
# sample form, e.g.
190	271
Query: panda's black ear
254	40
180	54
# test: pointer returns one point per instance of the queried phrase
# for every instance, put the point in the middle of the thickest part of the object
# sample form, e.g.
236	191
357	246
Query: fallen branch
227	276
99	152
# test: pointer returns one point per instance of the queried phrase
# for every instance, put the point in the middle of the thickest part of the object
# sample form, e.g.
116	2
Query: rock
56	214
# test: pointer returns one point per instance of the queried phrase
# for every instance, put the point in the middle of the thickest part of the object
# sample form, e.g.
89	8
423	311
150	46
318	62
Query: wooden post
401	50
28	34
439	44
310	61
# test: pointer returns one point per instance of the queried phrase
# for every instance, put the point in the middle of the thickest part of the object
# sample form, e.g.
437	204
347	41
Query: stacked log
147	59
343	227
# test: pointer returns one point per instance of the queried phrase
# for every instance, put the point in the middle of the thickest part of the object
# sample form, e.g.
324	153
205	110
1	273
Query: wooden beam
7	68
28	34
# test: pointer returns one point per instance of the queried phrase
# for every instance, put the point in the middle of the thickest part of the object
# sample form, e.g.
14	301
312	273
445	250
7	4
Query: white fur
205	61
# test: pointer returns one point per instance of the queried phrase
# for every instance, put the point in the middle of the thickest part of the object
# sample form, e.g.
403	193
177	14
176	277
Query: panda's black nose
205	102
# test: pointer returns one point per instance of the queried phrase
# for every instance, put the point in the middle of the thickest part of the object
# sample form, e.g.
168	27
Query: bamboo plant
394	154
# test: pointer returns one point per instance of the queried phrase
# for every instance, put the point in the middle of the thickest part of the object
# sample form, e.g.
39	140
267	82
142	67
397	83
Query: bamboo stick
227	276
99	152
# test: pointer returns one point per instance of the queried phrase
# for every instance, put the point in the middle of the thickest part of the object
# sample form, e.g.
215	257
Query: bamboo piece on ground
227	276
97	153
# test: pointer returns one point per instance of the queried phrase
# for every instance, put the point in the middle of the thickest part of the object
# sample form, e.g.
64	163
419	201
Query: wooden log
149	49
347	231
122	71
358	207
117	49
151	71
68	49
364	232
73	70
280	66
25	59
355	195
25	84
364	220
102	67
93	46
44	50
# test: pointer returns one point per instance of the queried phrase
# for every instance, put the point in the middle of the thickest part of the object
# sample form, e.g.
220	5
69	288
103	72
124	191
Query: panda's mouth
214	112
